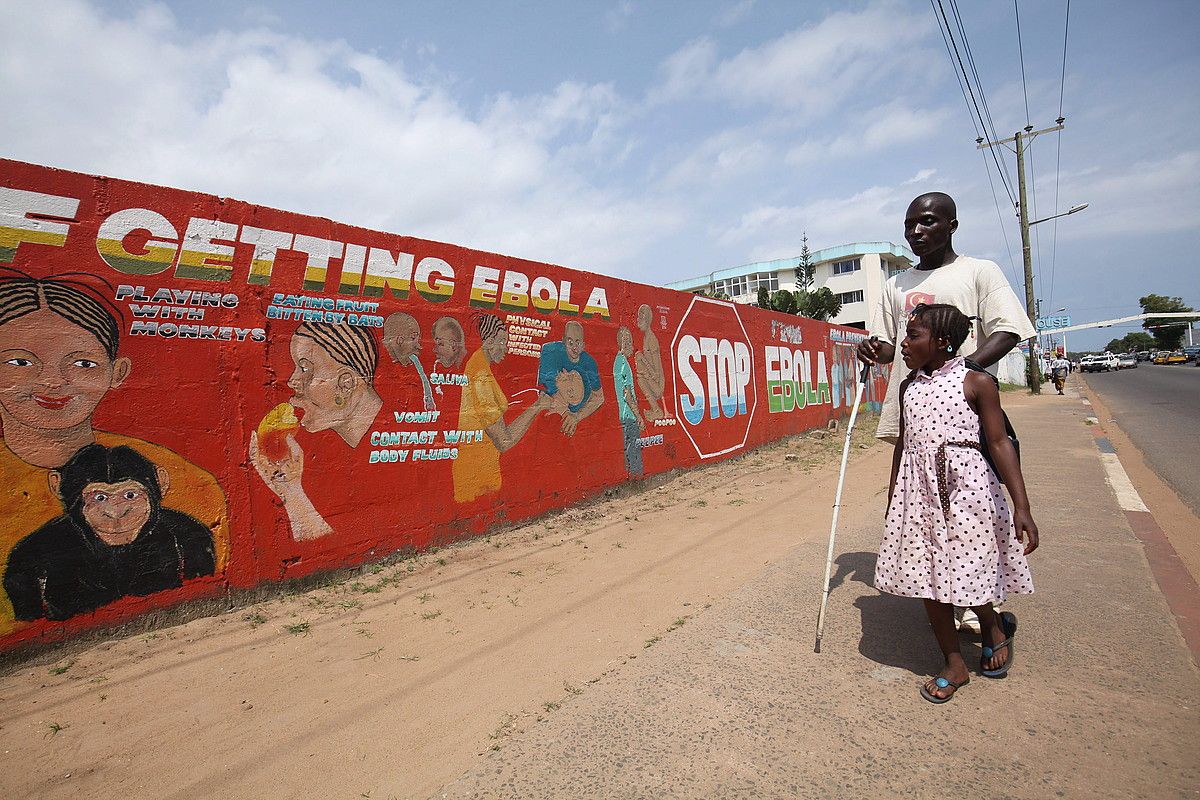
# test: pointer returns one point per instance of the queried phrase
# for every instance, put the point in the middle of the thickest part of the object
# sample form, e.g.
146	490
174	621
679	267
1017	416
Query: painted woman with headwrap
333	388
59	359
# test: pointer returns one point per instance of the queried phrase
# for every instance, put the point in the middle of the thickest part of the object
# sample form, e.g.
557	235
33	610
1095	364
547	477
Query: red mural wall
200	394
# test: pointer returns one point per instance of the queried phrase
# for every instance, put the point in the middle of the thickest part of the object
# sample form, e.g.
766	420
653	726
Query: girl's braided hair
944	322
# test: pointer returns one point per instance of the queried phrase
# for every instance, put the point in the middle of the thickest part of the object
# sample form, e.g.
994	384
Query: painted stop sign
713	372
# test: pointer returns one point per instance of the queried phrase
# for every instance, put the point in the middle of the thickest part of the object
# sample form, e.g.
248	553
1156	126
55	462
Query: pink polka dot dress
949	534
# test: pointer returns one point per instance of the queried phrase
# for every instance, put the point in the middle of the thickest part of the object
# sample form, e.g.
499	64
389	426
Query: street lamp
1068	212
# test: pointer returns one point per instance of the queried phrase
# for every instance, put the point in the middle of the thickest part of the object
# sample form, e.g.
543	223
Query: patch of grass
678	623
441	562
653	640
699	503
347	605
738	502
98	679
550	705
618	545
570	689
53	729
373	655
150	637
505	728
61	668
366	634
103	697
255	618
1010	387
431	615
299	629
424	597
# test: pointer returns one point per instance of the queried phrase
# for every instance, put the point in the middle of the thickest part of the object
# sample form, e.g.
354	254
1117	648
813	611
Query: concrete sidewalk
1102	700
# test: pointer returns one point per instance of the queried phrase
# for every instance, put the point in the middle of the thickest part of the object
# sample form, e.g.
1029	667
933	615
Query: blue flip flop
1009	622
942	683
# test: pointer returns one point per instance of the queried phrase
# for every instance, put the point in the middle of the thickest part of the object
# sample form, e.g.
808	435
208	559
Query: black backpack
1008	428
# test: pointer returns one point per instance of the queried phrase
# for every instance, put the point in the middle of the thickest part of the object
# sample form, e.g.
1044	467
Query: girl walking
951	538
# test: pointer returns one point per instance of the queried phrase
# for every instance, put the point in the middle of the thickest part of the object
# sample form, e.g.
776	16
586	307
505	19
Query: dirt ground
396	682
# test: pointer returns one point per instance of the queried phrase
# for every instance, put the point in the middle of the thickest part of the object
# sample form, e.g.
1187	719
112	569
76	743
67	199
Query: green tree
1168	333
821	304
805	269
1132	342
764	298
785	302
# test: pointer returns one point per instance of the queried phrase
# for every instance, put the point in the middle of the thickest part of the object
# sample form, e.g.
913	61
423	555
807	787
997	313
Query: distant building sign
1050	323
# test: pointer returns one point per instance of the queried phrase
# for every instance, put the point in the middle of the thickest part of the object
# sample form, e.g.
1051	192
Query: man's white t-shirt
976	287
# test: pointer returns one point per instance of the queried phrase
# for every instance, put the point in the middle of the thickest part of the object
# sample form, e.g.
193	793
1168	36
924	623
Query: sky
651	141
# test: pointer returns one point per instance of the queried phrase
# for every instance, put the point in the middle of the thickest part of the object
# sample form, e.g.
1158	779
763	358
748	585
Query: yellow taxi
1178	357
1161	357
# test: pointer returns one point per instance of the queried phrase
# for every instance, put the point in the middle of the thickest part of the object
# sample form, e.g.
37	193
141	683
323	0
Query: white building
854	272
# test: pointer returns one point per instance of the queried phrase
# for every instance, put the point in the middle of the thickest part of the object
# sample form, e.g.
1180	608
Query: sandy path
395	683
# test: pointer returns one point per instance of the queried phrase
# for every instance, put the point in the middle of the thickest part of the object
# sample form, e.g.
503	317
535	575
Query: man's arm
993	348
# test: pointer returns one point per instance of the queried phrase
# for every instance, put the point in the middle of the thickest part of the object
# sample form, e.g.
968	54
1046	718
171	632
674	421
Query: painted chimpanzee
114	539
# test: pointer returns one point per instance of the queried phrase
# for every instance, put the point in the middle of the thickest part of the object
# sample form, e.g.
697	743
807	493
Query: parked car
1144	355
1098	363
1161	357
1192	351
1178	357
1127	361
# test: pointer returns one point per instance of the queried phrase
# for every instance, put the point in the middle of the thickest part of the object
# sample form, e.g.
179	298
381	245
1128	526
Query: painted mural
197	394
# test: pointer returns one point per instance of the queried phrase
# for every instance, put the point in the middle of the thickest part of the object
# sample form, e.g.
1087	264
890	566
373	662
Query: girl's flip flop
942	683
1009	622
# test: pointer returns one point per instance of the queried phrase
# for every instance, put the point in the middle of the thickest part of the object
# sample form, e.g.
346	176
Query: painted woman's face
53	373
315	386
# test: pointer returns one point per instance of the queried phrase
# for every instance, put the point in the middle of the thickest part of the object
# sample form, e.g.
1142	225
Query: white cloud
734	14
873	131
810	69
318	127
616	19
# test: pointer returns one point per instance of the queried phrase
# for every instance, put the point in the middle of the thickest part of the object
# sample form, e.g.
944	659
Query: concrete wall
199	395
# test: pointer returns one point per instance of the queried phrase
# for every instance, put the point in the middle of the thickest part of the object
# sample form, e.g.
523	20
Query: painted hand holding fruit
274	429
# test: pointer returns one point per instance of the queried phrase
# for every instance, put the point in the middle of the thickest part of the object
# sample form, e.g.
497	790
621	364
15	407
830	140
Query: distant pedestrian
1059	369
975	286
950	537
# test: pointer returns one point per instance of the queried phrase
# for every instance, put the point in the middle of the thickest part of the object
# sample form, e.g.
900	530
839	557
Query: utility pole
1021	142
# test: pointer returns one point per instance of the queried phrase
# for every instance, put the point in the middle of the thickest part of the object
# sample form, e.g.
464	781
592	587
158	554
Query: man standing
1059	368
977	288
630	416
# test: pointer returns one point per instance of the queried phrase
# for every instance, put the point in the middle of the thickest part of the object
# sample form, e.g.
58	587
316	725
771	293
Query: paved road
1158	407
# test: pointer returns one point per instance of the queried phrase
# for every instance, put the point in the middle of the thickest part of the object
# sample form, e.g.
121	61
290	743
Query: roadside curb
1174	580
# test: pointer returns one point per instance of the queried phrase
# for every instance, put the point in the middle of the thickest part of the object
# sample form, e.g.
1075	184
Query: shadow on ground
895	631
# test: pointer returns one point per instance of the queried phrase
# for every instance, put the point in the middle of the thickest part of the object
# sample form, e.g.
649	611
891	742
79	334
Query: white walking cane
837	500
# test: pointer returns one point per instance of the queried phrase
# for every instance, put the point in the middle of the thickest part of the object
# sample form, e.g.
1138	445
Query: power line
1062	85
975	123
989	125
1021	52
983	115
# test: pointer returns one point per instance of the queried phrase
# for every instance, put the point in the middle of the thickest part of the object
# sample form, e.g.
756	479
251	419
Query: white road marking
1118	479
